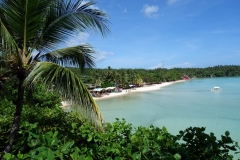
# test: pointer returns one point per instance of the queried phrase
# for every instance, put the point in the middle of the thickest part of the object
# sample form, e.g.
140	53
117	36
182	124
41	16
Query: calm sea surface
181	105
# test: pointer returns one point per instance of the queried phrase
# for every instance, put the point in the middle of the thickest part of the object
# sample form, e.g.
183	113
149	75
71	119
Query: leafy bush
199	145
41	95
119	140
8	89
44	97
6	118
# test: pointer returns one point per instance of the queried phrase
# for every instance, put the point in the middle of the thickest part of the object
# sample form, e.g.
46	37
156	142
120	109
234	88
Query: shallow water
181	105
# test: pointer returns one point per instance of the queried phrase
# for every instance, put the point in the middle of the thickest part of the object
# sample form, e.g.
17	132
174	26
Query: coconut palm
32	33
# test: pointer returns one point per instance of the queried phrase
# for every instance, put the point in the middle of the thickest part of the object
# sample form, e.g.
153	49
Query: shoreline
138	89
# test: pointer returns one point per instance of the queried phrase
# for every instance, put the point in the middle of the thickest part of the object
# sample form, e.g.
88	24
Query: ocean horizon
181	105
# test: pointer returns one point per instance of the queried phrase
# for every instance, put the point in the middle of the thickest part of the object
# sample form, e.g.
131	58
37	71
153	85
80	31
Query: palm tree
32	33
109	75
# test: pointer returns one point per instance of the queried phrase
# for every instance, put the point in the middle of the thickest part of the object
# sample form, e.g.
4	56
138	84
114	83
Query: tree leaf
50	154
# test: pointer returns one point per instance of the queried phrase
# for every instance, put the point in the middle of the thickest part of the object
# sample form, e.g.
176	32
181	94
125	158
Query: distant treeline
124	77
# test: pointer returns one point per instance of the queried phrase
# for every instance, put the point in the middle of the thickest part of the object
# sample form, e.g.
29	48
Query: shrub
119	140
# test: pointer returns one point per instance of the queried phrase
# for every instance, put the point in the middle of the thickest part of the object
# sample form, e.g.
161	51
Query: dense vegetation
47	132
33	49
124	77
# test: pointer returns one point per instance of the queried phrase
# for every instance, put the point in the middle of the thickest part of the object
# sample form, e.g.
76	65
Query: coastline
138	89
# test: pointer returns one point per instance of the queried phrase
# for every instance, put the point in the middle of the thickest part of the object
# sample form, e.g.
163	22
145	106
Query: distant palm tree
32	32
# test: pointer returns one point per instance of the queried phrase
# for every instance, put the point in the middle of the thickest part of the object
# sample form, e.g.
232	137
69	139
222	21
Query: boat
216	89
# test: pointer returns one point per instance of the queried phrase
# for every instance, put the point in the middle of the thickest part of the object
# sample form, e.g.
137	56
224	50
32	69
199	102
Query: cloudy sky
167	33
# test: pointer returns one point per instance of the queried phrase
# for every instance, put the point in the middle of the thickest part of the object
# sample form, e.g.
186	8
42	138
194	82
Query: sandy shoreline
66	104
139	89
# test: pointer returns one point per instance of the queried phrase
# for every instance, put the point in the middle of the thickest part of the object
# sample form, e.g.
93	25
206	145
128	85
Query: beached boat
216	89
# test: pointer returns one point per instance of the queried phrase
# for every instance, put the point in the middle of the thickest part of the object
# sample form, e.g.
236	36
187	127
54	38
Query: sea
181	105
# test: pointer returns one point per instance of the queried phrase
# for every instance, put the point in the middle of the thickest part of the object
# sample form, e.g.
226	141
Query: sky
151	34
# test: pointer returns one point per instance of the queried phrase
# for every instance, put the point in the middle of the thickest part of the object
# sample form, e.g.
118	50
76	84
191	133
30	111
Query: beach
137	89
67	104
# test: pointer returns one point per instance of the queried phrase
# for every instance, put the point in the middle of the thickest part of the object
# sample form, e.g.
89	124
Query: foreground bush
120	140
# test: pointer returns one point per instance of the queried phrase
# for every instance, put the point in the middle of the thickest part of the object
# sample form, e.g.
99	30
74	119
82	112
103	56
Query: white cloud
80	38
170	2
182	65
102	55
160	65
150	11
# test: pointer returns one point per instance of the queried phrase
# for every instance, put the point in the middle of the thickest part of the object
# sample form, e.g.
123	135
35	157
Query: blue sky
167	33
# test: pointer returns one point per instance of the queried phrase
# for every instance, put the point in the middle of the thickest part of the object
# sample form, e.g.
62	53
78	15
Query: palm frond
25	19
68	85
21	22
8	45
67	17
78	56
7	41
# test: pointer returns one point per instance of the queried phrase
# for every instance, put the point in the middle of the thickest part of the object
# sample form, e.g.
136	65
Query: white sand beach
138	89
66	104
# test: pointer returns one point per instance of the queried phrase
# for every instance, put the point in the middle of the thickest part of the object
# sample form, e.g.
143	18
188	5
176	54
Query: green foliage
44	97
119	140
151	76
199	145
8	89
105	85
6	117
48	25
40	95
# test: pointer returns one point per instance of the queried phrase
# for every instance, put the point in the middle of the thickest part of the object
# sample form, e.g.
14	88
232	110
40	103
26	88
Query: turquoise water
181	105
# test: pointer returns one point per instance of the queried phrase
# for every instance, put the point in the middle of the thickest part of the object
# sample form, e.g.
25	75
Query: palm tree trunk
17	115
